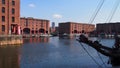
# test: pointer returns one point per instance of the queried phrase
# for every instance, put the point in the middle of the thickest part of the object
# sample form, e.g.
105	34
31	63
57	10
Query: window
3	9
13	19
13	3
3	18
3	1
3	28
13	11
25	24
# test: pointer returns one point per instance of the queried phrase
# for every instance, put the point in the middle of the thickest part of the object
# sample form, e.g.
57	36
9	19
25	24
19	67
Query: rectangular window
3	1
3	28
13	19
3	9
3	18
13	3
13	11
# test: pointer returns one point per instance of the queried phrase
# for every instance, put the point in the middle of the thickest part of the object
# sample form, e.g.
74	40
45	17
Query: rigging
108	20
114	9
96	12
90	22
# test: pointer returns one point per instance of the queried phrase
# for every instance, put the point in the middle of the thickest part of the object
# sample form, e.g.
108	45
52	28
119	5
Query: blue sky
68	10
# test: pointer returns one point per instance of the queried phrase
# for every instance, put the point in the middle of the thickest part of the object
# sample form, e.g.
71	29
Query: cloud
31	5
57	16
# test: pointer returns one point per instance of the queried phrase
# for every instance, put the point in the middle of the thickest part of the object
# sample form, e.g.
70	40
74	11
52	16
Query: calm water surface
52	53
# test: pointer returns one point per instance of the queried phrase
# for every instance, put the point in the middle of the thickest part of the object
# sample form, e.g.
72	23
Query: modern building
9	17
75	28
34	26
108	28
52	29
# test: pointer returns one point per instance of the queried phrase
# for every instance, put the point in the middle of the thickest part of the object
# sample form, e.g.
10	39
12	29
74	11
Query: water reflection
67	37
57	53
36	40
9	57
50	53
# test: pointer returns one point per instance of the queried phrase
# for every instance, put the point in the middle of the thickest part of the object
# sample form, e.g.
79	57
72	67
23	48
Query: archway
36	31
32	31
75	31
47	32
83	31
41	30
26	30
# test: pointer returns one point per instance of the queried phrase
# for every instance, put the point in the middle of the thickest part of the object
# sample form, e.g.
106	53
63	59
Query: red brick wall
108	28
35	25
75	28
8	15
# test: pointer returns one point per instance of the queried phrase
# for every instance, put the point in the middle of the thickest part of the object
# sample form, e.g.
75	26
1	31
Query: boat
112	53
65	35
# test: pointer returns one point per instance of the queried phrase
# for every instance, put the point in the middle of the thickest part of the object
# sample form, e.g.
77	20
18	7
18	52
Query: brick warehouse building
75	28
34	26
9	16
108	28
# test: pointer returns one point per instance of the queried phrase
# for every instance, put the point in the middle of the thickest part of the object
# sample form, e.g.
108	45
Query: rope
100	56
108	20
116	5
96	12
101	59
90	22
90	55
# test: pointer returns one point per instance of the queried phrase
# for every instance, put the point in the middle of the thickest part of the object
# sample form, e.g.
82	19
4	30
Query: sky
58	11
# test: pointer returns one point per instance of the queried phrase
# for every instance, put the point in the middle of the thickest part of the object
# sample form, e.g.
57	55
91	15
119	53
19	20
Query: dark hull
115	61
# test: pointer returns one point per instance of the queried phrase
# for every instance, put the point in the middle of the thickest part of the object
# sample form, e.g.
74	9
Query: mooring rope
101	59
90	55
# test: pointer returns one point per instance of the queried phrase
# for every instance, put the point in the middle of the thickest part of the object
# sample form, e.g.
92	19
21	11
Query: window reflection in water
9	57
36	40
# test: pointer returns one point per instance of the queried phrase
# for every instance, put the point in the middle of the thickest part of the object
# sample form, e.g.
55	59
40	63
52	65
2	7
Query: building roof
76	23
110	23
33	18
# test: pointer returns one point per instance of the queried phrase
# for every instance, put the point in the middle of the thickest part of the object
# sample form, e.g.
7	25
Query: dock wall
10	39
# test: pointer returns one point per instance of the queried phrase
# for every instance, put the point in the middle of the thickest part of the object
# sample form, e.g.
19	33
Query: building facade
34	26
9	17
108	28
75	28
